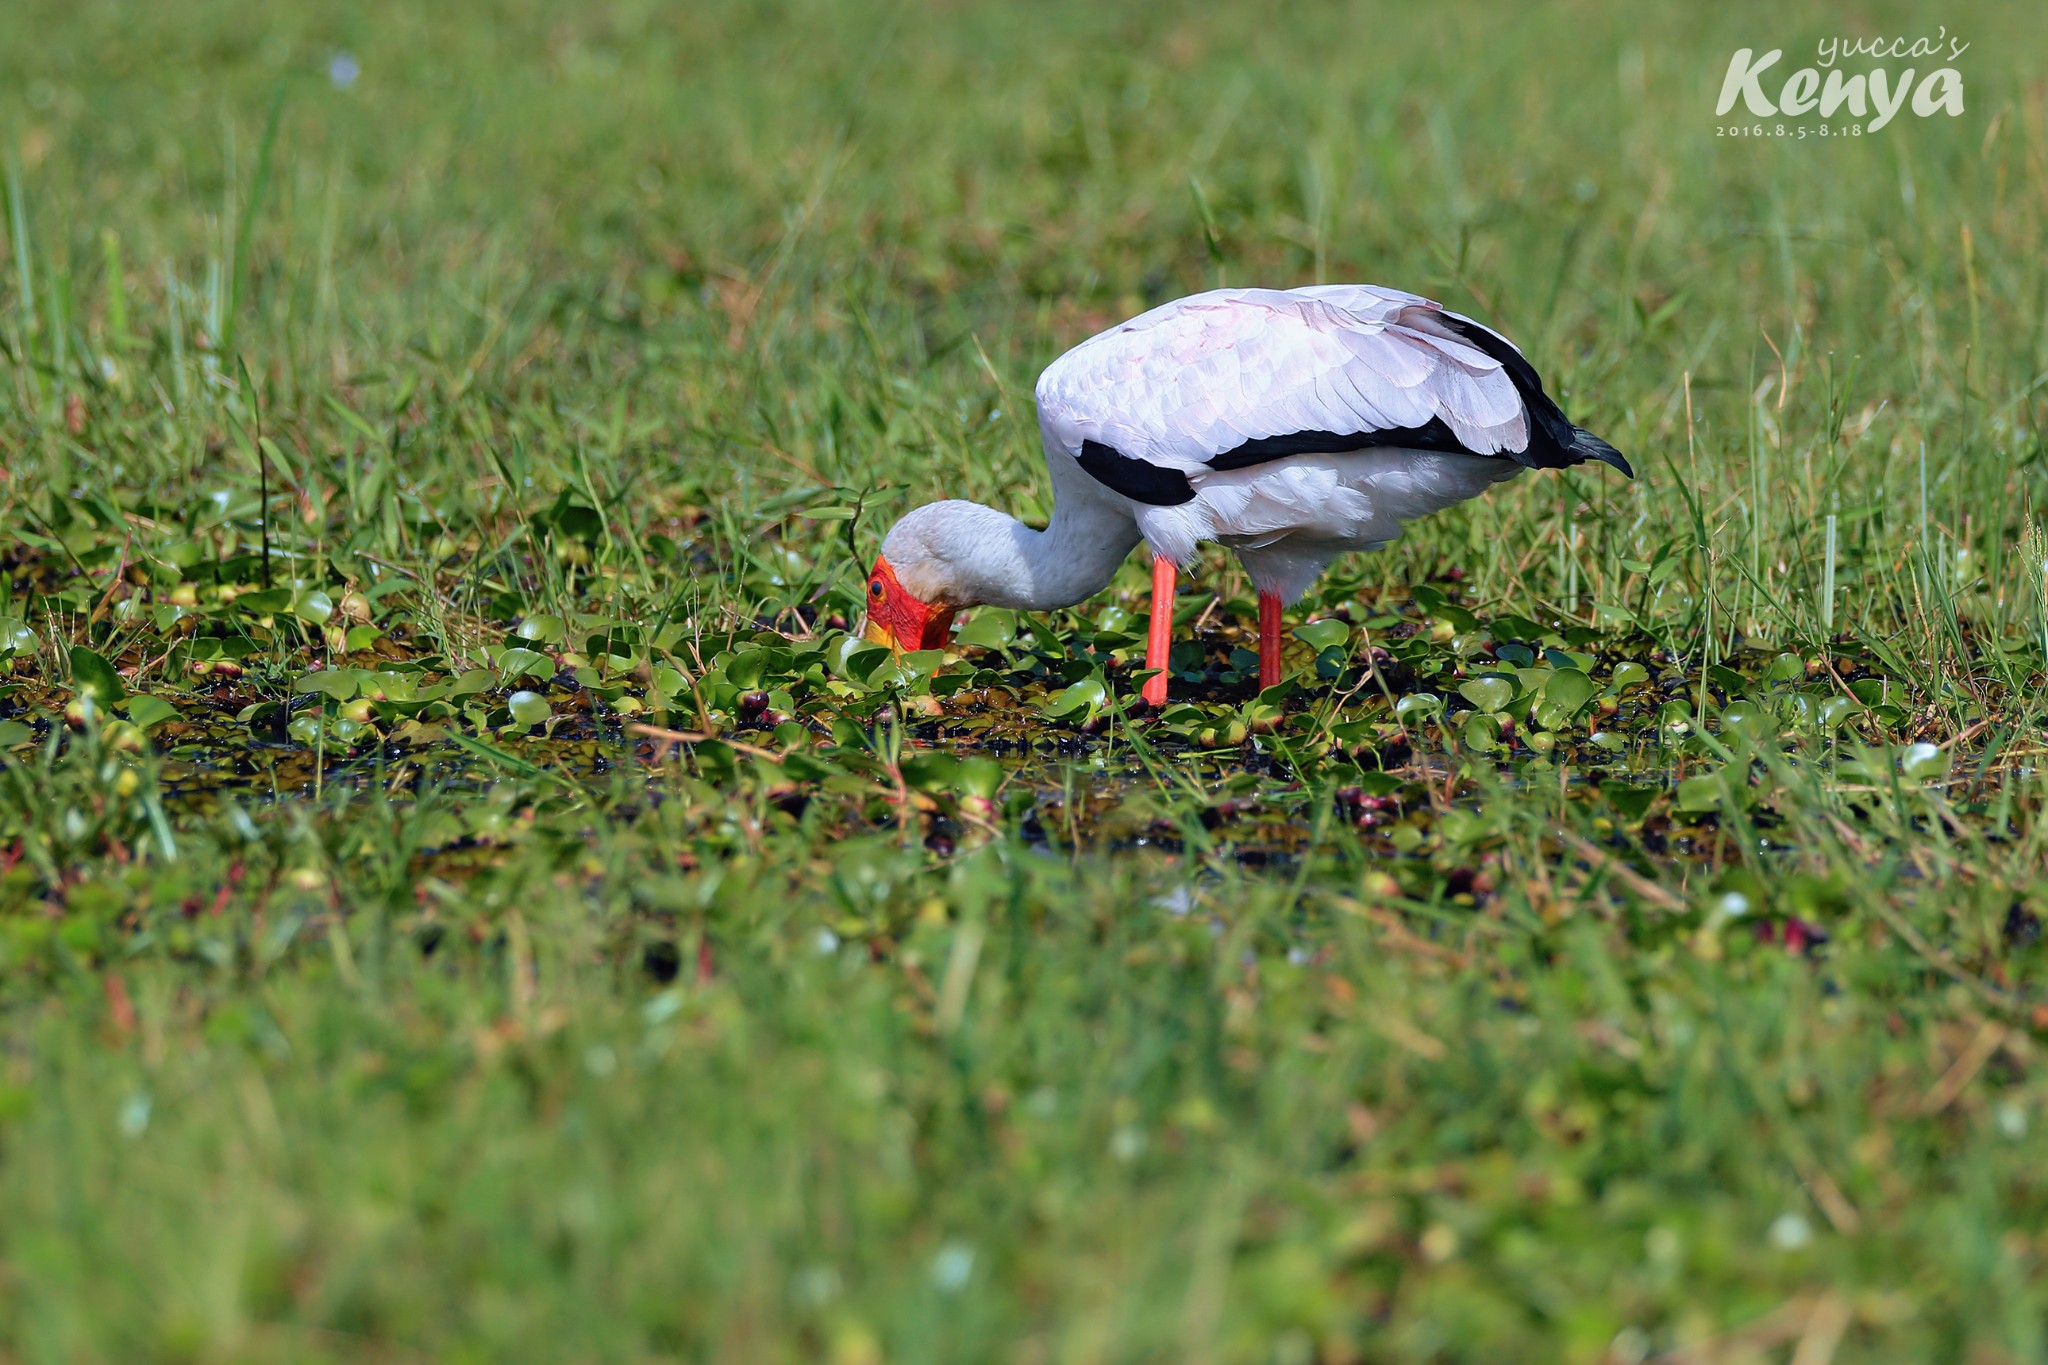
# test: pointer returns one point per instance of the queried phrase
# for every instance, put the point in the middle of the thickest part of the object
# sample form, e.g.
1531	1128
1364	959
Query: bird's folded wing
1261	372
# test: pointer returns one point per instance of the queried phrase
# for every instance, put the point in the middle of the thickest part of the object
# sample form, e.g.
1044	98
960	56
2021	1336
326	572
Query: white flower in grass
1790	1232
952	1266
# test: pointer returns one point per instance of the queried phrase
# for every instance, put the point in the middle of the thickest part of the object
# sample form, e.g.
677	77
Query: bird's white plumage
1183	383
1194	378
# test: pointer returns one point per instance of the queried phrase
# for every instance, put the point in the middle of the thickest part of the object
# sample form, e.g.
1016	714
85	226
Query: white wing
1188	381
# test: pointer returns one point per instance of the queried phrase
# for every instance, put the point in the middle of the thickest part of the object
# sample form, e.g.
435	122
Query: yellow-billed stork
1288	424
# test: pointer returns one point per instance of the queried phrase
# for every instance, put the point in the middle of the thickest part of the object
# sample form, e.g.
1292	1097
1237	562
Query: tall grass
623	311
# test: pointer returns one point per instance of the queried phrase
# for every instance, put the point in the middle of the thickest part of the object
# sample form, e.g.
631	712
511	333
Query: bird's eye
875	589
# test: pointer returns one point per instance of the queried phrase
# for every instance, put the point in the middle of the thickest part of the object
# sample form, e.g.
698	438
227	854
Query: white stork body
1290	425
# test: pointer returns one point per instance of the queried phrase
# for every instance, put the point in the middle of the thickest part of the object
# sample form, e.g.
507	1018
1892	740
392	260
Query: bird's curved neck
1072	558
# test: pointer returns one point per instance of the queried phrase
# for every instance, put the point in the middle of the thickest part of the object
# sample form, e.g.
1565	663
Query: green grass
1642	959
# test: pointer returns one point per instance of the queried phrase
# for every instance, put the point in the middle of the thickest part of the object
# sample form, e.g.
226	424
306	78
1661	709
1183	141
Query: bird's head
898	618
918	581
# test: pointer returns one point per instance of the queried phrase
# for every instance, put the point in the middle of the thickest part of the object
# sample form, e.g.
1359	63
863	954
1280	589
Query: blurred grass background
703	256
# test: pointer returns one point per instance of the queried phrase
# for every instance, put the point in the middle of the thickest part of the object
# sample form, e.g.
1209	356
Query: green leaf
1631	801
269	602
525	663
1568	692
17	638
1480	733
470	682
549	630
1085	695
1327	633
149	712
990	628
978	776
13	732
928	769
92	676
1628	673
1923	762
338	683
313	608
1489	691
528	708
1418	703
745	668
1703	792
1747	718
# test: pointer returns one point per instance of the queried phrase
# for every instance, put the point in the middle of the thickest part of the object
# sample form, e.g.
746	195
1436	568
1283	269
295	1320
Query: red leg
1269	640
1159	638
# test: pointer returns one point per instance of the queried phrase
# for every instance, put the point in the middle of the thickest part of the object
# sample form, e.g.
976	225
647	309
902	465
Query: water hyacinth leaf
1568	692
1262	713
745	668
386	685
978	776
853	658
528	708
716	760
920	663
267	602
17	638
1086	695
470	682
1563	659
524	663
1924	762
350	732
1703	792
94	677
338	683
1418	704
547	630
990	628
1480	732
1785	668
802	767
1628	673
1489	691
309	728
1113	619
1324	634
1631	801
148	712
1460	827
13	732
928	769
1833	711
1747	719
313	607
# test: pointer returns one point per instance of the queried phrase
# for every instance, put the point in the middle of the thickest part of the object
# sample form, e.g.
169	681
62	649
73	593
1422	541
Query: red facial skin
900	621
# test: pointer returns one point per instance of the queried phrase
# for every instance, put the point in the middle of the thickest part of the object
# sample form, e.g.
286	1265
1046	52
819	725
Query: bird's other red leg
1159	637
1269	639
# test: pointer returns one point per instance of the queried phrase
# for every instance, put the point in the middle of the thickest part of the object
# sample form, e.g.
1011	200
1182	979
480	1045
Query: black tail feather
1553	441
1587	446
